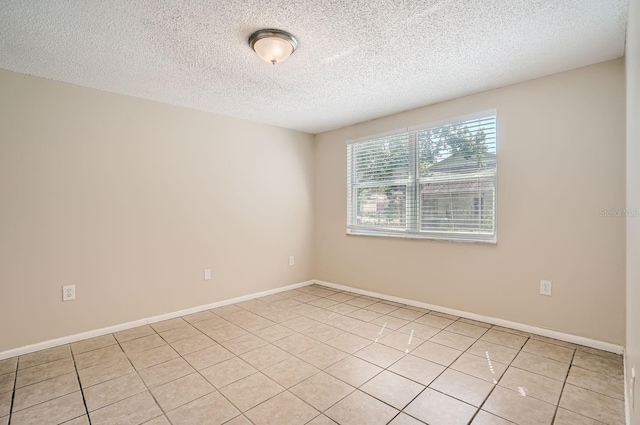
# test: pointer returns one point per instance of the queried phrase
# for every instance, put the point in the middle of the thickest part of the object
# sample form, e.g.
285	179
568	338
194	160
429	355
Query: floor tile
296	343
495	352
359	408
239	420
322	356
274	333
198	317
323	303
4	420
227	372
404	419
99	356
44	391
445	315
595	352
110	392
345	323
165	372
167	325
212	409
244	344
44	371
290	372
342	308
421	331
226	333
5	403
371	332
193	344
567	417
7	382
437	353
225	310
82	420
208	357
609	385
44	356
52	412
321	390
453	340
133	410
181	391
211	324
511	331
342	297
142	344
321	420
300	324
348	342
485	418
182	332
92	344
283	409
595	363
104	372
479	367
380	355
417	369
8	365
390	322
250	391
550	351
475	323
322	332
153	357
503	338
532	385
466	329
462	386
359	302
592	405
433	321
353	371
433	407
263	357
541	365
514	407
405	314
554	341
401	341
382	308
365	315
133	333
393	389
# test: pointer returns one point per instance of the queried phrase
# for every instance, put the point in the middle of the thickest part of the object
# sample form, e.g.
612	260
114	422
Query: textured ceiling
357	59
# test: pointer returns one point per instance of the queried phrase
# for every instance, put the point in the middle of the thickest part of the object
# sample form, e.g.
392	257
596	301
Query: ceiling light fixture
273	45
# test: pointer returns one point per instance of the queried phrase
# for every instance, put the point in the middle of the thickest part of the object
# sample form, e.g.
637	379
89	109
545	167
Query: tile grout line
564	384
84	400
13	394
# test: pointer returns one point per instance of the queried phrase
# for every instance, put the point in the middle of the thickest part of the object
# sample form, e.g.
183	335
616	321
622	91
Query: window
434	182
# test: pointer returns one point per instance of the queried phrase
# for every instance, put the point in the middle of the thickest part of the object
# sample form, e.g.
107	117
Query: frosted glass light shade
273	46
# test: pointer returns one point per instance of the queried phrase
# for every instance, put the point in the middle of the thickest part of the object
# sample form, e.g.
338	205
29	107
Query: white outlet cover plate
545	287
292	261
68	292
207	274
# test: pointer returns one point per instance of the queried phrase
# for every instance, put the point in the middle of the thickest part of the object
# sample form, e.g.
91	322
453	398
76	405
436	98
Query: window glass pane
382	207
464	206
381	160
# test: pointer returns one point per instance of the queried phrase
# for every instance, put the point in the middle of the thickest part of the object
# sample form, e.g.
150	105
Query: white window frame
412	183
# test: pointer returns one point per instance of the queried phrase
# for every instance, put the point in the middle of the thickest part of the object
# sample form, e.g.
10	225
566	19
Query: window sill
416	236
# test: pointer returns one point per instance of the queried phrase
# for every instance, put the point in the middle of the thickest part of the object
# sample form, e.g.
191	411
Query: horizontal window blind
435	182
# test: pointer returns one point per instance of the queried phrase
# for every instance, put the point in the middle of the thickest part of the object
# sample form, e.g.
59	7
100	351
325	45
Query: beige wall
131	200
632	60
561	159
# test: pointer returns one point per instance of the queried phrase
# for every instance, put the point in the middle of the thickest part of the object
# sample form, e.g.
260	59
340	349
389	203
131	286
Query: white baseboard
587	342
115	328
605	346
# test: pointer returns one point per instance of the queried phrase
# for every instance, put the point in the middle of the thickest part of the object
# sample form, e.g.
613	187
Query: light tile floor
314	356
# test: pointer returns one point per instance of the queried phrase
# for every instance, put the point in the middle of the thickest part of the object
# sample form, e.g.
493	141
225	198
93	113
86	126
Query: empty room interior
331	212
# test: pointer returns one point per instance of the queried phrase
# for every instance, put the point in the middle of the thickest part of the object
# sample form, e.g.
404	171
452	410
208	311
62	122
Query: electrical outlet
545	287
632	388
207	274
292	261
69	293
